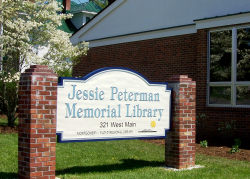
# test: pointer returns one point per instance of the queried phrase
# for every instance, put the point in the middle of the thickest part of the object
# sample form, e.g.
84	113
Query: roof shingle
87	6
67	26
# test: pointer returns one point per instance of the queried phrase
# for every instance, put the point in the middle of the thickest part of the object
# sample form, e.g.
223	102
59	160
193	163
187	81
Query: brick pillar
37	123
180	141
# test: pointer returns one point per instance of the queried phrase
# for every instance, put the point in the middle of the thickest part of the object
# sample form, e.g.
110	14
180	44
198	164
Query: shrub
235	147
203	143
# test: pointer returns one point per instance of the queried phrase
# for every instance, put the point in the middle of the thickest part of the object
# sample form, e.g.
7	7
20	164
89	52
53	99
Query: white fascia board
222	21
167	32
86	12
74	38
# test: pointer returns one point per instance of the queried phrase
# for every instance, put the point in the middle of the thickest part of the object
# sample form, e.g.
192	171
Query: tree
101	3
26	27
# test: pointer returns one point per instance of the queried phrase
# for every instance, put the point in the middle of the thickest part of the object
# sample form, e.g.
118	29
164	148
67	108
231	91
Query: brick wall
158	60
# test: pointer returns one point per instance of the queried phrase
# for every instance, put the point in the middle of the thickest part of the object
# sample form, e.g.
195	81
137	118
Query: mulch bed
5	129
8	130
212	150
219	151
223	151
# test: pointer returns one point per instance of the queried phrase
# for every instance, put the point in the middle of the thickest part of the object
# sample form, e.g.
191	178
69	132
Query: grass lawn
5	122
119	159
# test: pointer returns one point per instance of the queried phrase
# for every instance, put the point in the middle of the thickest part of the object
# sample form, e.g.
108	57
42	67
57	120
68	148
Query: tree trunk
11	121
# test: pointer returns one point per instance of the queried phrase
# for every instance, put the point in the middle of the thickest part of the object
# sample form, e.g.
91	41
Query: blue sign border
61	81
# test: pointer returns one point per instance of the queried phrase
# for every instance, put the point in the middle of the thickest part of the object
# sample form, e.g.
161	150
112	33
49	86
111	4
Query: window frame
233	83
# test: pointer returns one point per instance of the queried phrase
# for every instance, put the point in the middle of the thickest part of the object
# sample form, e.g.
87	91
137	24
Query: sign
111	104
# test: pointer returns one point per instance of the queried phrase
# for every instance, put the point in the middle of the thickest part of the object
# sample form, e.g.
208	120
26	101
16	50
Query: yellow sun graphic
153	124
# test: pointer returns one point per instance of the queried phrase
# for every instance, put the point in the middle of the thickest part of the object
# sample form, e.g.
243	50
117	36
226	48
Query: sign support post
180	140
37	123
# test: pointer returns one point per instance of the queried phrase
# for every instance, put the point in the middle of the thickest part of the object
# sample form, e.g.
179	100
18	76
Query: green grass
4	122
8	155
119	159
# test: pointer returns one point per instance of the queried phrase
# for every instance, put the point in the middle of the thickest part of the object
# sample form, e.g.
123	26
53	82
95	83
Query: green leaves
203	143
235	147
28	26
29	35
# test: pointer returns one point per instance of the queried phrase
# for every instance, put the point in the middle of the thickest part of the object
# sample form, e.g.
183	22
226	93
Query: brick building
207	40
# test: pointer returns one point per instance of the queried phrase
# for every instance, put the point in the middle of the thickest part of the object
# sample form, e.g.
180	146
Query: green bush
235	147
203	143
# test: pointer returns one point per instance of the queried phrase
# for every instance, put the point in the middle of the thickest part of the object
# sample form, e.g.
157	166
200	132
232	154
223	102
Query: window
229	67
87	19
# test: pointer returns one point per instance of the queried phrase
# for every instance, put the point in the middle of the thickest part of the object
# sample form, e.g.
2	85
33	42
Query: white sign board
110	104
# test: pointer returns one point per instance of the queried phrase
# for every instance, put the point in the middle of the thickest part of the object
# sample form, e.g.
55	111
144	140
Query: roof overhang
144	35
225	20
85	12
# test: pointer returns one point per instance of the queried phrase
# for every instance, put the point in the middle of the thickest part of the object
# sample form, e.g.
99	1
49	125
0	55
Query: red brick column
37	123
180	141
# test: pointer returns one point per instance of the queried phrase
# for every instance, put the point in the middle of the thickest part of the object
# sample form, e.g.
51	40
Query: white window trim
233	83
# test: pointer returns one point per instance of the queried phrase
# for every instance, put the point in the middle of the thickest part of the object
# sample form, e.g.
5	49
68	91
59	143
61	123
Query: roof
93	17
67	26
87	6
